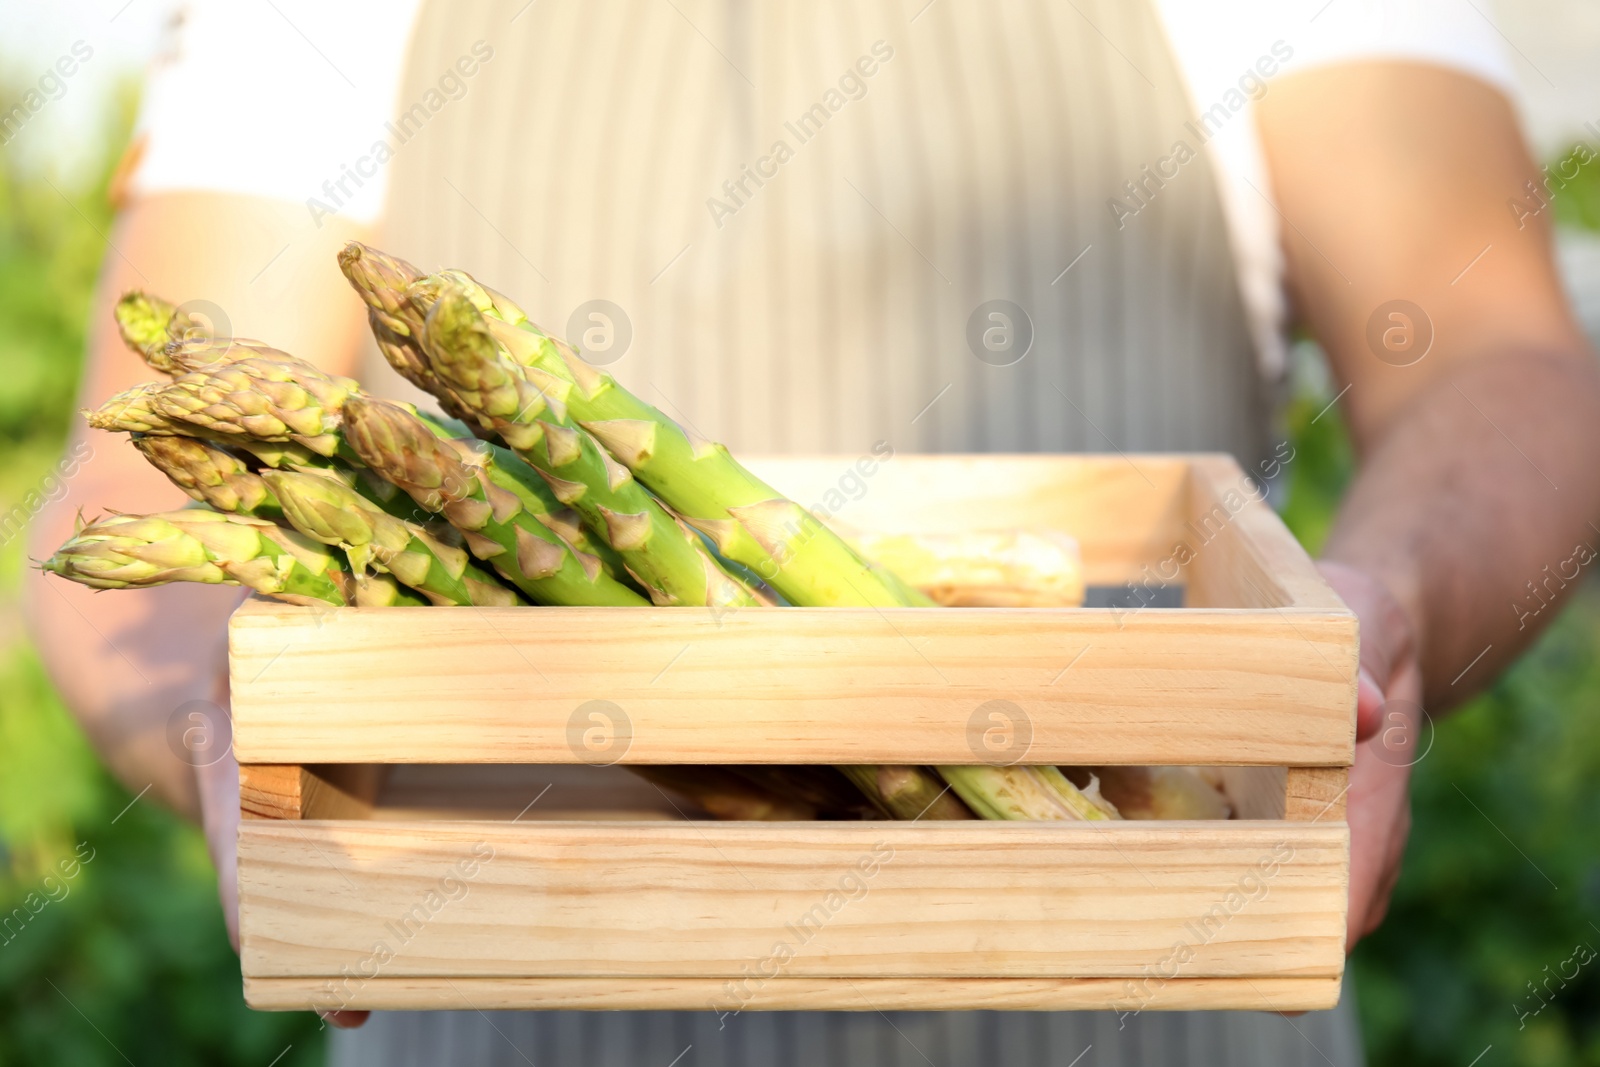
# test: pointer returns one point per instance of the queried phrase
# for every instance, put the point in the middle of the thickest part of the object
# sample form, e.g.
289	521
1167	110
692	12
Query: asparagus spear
830	572
907	792
1022	793
748	521
398	445
189	354
262	397
210	474
806	562
170	341
139	551
513	402
329	511
381	281
134	411
147	324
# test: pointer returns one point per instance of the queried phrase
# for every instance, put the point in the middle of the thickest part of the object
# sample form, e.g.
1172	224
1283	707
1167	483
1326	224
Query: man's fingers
344	1020
1369	706
1387	643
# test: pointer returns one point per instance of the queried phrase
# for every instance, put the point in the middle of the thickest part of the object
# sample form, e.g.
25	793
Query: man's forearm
130	665
126	663
1479	508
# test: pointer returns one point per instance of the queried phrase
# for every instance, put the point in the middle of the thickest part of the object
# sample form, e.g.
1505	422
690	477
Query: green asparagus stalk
397	444
806	562
907	792
749	522
210	474
512	401
381	281
508	472
830	572
140	551
1022	793
329	511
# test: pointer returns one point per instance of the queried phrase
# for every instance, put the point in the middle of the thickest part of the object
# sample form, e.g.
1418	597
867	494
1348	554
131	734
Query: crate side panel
1024	900
1124	511
825	685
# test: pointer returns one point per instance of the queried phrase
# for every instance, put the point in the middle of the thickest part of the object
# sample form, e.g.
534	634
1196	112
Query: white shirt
281	99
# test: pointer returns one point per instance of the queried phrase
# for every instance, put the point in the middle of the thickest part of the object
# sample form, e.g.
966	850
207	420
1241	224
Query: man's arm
1477	466
1476	460
125	662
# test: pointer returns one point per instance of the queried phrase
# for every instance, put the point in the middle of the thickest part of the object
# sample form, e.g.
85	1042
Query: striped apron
812	226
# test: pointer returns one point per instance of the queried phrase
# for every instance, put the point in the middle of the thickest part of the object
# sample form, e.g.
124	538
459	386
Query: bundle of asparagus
576	493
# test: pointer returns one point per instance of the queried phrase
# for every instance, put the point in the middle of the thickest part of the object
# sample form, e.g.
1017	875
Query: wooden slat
784	993
292	791
798	685
1316	794
1243	555
886	899
1123	510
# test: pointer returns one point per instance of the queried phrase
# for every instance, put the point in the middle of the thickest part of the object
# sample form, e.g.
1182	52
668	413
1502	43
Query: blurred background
128	961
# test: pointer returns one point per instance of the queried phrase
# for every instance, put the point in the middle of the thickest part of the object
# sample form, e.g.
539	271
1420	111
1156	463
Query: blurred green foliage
131	962
125	960
1574	187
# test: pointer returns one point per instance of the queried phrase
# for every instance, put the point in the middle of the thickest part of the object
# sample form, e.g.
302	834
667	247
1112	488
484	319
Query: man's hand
1388	726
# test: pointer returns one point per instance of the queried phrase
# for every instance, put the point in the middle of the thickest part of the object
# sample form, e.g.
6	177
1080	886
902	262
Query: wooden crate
421	830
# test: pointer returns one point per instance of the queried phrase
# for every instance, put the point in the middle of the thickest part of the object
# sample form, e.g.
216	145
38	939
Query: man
957	227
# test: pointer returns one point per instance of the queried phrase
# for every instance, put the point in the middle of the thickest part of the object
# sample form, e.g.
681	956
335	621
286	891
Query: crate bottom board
784	993
660	915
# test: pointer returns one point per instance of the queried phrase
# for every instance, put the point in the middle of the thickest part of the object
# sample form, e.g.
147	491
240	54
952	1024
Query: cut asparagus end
906	792
1028	793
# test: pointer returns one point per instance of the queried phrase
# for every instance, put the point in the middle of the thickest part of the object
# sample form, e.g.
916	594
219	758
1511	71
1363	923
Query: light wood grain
799	685
293	791
1255	792
1243	554
785	993
1123	510
1316	794
599	894
1262	672
699	899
